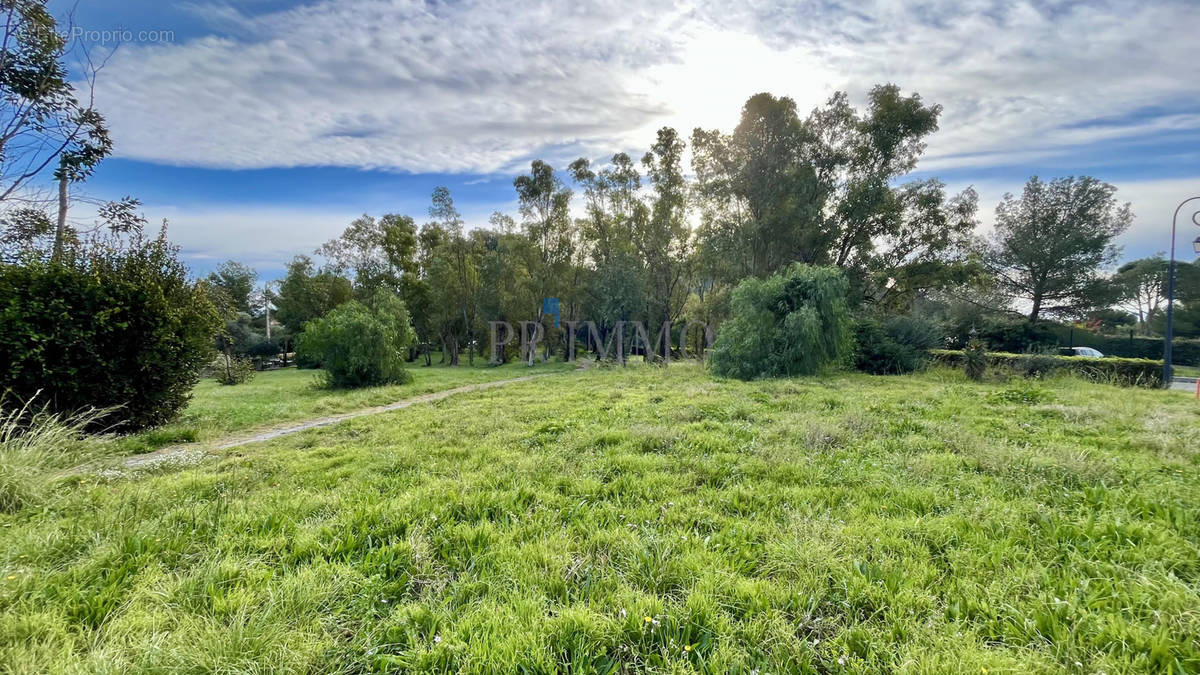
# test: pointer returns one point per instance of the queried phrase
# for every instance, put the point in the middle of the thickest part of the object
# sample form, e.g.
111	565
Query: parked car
1085	351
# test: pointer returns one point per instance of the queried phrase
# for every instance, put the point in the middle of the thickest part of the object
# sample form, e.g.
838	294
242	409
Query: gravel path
192	453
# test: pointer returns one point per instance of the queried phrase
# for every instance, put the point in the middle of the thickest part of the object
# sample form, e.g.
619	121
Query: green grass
288	395
1186	371
640	520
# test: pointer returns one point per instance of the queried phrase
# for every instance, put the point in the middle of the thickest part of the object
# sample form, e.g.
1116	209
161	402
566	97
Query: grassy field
645	519
289	395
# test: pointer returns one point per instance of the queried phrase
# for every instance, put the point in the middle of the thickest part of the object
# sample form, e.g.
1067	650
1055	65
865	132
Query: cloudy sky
260	128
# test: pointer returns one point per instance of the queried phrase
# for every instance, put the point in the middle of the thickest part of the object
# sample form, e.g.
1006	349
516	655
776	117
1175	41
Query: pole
1171	296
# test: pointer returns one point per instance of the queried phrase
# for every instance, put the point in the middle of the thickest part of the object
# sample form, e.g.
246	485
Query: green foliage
306	294
974	358
826	190
45	123
792	323
1124	372
893	345
360	345
236	282
264	348
1049	245
235	370
122	328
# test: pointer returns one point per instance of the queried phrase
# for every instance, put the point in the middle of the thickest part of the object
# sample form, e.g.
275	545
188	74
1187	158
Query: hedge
1125	372
1184	351
127	330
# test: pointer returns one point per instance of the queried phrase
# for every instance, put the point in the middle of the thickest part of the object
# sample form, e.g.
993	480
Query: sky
261	128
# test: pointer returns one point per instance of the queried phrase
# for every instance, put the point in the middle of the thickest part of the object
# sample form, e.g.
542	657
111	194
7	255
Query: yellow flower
648	619
12	576
687	648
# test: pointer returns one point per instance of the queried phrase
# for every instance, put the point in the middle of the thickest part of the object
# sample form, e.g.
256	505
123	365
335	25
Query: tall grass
35	441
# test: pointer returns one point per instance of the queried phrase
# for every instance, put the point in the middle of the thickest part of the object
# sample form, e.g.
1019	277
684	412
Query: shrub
795	322
234	370
1124	372
360	345
118	328
975	359
898	344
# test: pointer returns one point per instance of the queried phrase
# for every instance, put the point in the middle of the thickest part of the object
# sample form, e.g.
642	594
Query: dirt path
194	452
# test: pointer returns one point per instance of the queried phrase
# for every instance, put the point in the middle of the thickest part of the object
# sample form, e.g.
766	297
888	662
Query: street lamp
1171	287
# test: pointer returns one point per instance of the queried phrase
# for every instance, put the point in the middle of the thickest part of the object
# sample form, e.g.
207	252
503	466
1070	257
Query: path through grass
289	395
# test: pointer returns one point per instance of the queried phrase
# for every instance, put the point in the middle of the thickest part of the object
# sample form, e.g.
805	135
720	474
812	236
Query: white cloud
482	85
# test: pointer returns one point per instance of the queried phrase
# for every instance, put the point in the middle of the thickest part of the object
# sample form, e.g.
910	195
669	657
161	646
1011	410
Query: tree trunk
60	231
1037	308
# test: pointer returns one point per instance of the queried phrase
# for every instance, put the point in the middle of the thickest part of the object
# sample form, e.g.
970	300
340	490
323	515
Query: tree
612	238
237	282
545	207
453	277
306	294
824	191
1143	287
375	253
794	322
43	123
1050	244
664	239
361	344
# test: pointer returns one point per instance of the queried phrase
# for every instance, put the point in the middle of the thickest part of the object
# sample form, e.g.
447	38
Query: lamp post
1171	287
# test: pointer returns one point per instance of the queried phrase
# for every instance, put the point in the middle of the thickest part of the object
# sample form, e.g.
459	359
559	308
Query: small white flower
383	600
841	660
624	614
437	639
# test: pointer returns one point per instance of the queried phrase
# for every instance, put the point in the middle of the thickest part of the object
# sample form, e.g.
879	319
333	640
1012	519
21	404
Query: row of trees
655	244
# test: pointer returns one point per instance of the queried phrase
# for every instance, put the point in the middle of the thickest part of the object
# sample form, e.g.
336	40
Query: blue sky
260	128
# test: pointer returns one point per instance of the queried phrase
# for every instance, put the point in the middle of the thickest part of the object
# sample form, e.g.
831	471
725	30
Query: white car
1087	351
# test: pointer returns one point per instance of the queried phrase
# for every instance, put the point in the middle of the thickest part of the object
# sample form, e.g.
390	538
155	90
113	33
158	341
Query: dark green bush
795	322
1112	370
360	345
895	345
117	327
264	349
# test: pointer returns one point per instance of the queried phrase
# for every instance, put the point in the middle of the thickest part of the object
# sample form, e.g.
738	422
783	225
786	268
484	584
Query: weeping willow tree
794	322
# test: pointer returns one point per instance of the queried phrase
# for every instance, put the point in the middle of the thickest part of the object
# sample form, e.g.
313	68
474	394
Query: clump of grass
32	441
